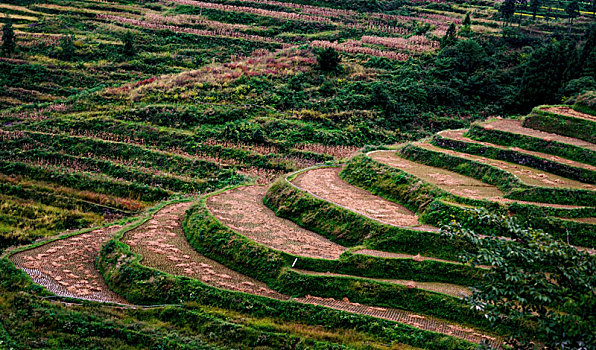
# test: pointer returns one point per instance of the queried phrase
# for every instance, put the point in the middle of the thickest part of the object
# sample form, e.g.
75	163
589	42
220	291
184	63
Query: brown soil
445	288
569	112
458	135
514	126
326	184
66	267
450	181
591	220
527	175
455	183
162	244
243	211
418	257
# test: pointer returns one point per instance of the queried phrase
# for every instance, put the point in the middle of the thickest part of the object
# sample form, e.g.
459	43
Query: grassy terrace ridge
454	139
353	264
439	206
211	159
516	182
562	120
287	281
247	311
511	133
329	219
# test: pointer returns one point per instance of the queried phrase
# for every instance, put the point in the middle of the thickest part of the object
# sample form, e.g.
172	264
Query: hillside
284	174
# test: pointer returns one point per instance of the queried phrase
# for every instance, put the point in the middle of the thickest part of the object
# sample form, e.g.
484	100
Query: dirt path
450	181
527	175
162	244
458	135
242	210
445	288
515	127
567	111
326	184
66	267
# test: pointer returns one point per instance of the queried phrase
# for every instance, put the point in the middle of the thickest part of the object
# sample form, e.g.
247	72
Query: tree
522	4
129	47
535	6
328	59
8	39
507	10
66	48
450	36
466	29
467	21
572	10
541	286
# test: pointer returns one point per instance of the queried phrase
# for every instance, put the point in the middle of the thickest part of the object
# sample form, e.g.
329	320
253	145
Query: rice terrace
298	174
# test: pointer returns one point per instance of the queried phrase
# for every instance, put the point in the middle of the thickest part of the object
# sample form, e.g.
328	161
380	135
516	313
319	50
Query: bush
328	59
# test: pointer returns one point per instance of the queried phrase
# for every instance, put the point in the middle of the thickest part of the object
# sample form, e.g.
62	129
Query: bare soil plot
514	126
242	210
66	267
445	288
450	181
163	245
527	175
458	135
326	184
568	111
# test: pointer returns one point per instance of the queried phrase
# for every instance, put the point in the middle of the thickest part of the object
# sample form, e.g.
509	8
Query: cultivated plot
242	210
458	135
326	184
66	267
450	181
163	246
527	175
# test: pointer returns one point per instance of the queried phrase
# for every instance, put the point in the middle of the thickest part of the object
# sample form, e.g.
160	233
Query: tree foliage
129	48
572	10
450	36
66	48
8	39
544	286
328	59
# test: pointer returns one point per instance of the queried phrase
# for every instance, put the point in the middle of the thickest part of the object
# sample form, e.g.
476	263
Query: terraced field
516	127
326	184
459	135
233	240
66	267
242	210
527	175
